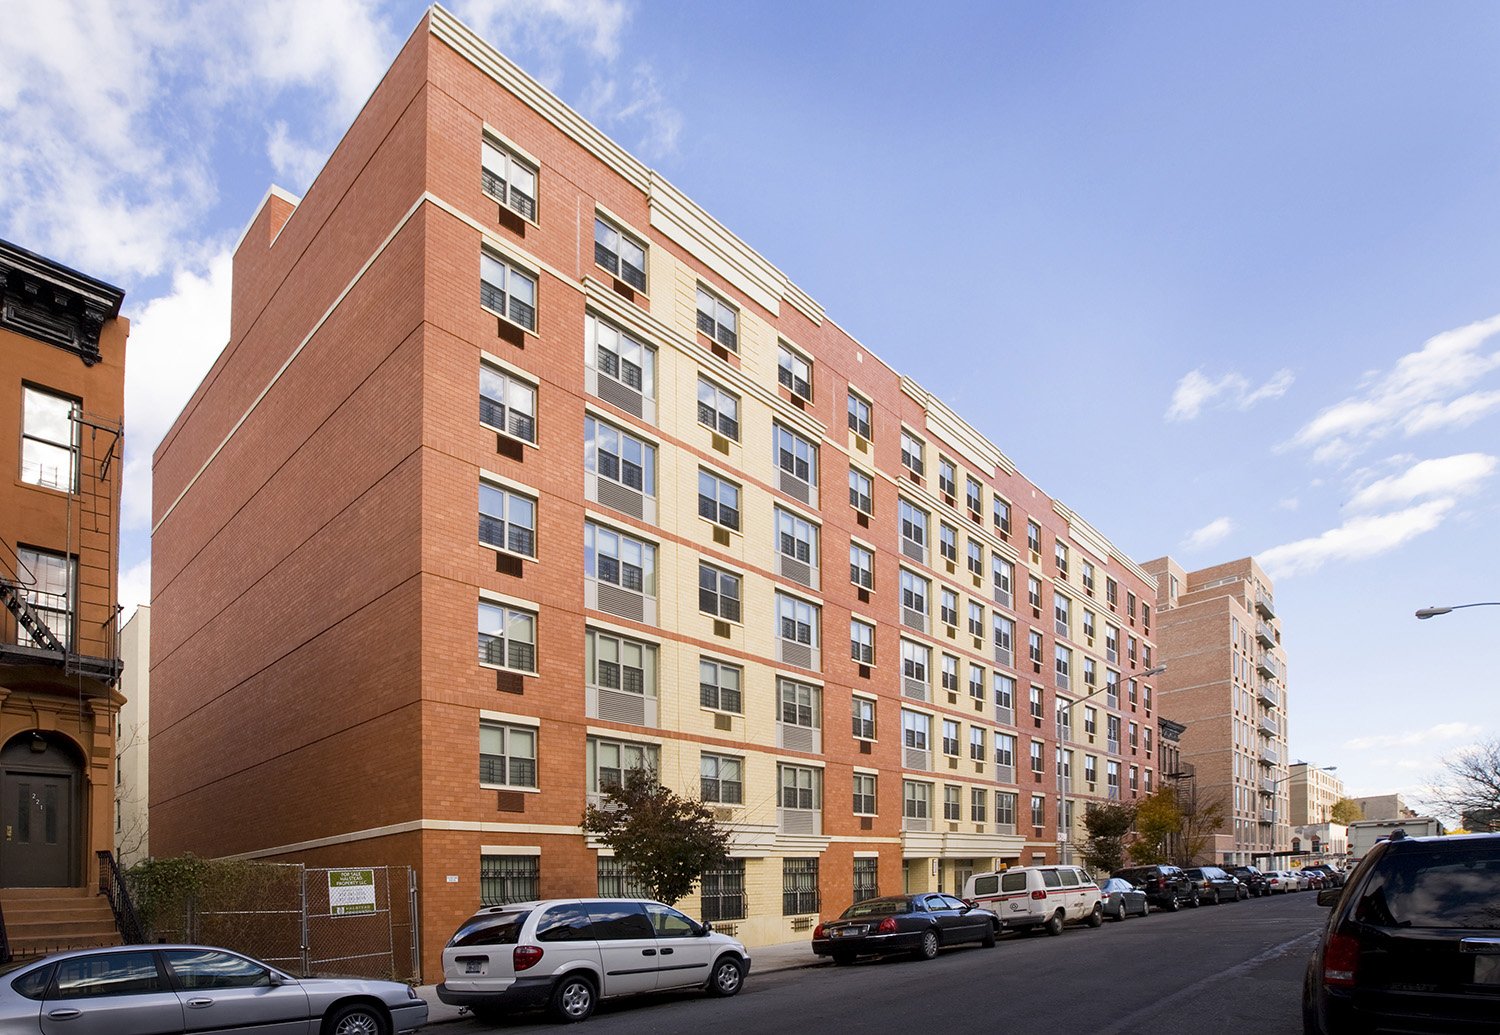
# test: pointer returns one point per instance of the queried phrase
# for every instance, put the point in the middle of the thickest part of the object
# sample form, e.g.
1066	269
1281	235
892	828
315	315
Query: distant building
1226	681
1384	806
1319	842
132	775
1312	793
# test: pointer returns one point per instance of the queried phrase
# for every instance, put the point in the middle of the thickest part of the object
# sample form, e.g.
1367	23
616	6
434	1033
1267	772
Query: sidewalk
764	960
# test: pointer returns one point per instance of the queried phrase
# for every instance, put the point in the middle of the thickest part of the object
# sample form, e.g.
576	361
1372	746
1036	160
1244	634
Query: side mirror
705	929
1329	896
277	980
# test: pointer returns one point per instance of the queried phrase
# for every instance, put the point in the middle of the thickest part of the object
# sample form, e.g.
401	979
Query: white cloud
134	589
1446	477
1355	539
1427	390
1195	391
173	341
295	162
1214	532
1290	503
1443	731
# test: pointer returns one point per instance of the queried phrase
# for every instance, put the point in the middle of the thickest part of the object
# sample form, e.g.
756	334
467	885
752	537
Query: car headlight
411	992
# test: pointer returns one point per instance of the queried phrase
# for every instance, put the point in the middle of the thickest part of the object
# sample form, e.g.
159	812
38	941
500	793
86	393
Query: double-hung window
913	532
722	779
799	877
976	620
1002	578
1111	644
861	642
947	476
912	453
1038	811
1062	658
947	542
1002	514
622	369
507	755
1005	757
861	566
1062	611
1034	647
1088	626
1005	698
864	801
719	686
975	554
916	805
915	660
1086	575
507	520
952	806
619	573
1090	672
1005	639
796	631
976	681
509	179
950	737
1033	537
1005	811
796	548
1060	554
916	739
1035	700
1034	593
948	673
797	460
1038	759
977	750
718	500
719	592
507	290
861	492
719	409
948	607
794	371
623	469
800	716
507	403
48	434
718	319
974	497
863	714
914	601
978	799
859	417
609	761
620	664
51	592
507	637
620	253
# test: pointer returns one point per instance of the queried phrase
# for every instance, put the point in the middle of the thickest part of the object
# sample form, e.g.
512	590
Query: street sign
351	892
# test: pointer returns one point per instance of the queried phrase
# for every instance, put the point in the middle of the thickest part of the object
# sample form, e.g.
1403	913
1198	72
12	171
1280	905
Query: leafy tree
1107	826
1469	786
666	840
1158	821
1202	819
1346	811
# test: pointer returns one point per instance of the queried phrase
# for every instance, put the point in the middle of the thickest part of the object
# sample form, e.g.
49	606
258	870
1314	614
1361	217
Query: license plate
848	932
473	966
1487	970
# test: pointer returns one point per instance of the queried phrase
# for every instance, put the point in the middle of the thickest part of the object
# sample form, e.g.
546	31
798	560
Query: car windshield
877	907
1443	889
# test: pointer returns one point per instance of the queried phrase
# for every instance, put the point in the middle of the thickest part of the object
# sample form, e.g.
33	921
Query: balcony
1265	634
1270	757
1267	817
1267	785
1269	726
1268	695
1267	665
1264	603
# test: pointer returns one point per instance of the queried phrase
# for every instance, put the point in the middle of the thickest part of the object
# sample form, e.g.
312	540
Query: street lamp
1065	820
1271	855
1433	612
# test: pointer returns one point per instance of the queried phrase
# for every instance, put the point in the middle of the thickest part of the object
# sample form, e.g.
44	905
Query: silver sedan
1120	899
171	989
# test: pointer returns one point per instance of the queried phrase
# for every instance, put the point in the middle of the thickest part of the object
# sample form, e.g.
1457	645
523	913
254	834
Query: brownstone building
1227	683
62	363
520	470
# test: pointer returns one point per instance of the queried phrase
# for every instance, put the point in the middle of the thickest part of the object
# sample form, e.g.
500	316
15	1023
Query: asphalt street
1216	969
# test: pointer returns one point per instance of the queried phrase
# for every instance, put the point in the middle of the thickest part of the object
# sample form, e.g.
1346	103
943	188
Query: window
801	705
718	500
1134	736
1088	625
1146	654
509	878
1112	688
1005	755
950	737
861	492
864	797
1002	514
507	291
1038	811
1130	605
619	560
794	371
1033	537
1034	647
863	711
861	642
1090	672
1003	576
205	969
866	878
722	779
859	417
618	456
620	253
1005	639
507	404
799	886
1061	614
719	409
947	476
796	539
1090	720
621	358
948	611
1112	731
507	520
976	619
1090	769
1130	648
975	559
1034	592
508	179
913	532
1005	697
1111	591
507	637
1112	778
718	592
1005	808
1146	618
913	600
948	542
719	686
952	811
507	755
718	319
797	458
1087	573
915	659
797	624
616	663
51	593
861	566
1062	664
976	744
1036	702
948	673
1131	695
721	894
613	879
916	800
1060	554
47	440
974	496
1111	644
978	805
609	760
911	453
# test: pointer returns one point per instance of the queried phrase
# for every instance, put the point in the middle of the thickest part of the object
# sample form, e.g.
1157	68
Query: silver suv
567	954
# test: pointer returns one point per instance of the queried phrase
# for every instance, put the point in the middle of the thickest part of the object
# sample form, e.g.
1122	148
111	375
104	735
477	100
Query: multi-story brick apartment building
62	375
494	382
1227	684
1312	792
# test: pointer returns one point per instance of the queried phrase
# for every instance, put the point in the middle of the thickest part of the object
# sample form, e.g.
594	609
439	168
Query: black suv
1214	885
1253	879
1413	943
1166	887
1332	878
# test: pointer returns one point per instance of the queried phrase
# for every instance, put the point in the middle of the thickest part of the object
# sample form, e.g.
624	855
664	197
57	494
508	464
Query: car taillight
887	926
525	957
1340	961
1039	895
818	931
1161	882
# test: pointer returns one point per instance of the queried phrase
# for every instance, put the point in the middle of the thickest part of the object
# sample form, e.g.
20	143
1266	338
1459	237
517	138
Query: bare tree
1469	786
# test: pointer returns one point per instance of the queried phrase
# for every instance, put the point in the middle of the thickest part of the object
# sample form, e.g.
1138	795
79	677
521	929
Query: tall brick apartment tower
519	470
1227	682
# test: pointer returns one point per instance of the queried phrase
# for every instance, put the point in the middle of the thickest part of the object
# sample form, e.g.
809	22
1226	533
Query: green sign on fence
351	892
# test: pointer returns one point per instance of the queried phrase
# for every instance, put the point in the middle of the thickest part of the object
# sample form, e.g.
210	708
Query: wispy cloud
1442	478
1195	392
1216	531
1442	732
134	589
1356	539
1433	388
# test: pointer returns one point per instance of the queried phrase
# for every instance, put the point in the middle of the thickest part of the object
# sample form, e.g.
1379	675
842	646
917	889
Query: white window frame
513	284
500	504
509	755
718	397
507	392
506	615
506	166
720	320
794	371
618	253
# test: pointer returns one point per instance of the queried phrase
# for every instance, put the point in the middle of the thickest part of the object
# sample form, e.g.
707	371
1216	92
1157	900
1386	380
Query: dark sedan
1121	898
918	924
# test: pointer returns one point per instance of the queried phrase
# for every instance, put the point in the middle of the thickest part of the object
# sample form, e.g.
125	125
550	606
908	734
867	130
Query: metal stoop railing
112	887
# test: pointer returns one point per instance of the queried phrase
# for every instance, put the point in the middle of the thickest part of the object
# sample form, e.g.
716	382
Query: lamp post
1271	855
1065	820
1433	612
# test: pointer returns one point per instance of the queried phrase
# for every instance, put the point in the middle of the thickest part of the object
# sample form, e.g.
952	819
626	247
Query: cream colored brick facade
1312	791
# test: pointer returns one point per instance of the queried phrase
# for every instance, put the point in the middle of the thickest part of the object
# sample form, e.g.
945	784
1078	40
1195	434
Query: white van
1026	897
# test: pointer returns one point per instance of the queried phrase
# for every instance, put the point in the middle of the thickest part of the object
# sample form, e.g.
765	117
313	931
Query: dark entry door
36	830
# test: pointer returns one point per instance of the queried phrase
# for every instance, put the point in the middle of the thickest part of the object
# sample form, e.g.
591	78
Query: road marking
1130	1023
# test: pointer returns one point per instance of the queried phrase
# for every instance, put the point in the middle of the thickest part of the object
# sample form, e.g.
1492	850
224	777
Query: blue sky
1231	270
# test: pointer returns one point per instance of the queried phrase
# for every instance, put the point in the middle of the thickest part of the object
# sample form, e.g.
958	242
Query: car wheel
928	948
573	999
1174	903
988	941
1193	901
729	976
1120	913
1097	916
356	1019
1054	924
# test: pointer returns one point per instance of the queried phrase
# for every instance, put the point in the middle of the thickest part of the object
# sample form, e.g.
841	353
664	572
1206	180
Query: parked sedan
169	989
1216	886
1286	880
1122	898
918	924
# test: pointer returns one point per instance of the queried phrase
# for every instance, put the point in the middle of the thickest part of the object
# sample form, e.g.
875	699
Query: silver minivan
567	954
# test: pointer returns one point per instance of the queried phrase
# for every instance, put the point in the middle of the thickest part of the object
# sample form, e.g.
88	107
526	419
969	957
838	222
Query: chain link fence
323	921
